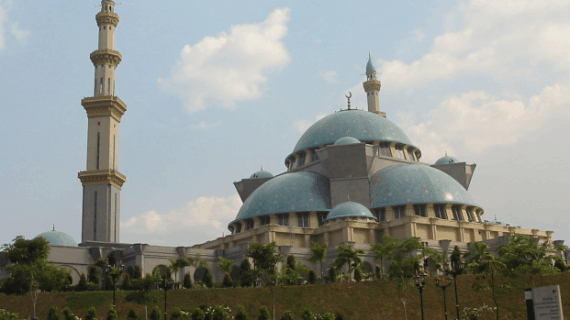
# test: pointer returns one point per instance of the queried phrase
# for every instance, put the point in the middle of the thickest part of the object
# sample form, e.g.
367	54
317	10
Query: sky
218	89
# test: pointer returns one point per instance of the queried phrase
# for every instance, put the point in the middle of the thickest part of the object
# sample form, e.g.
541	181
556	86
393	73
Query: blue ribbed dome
56	238
349	209
346	140
415	183
362	125
446	160
289	192
261	174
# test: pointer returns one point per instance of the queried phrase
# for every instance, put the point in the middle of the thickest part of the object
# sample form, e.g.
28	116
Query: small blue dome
498	222
261	174
415	183
56	238
369	66
446	160
362	125
346	140
349	209
288	192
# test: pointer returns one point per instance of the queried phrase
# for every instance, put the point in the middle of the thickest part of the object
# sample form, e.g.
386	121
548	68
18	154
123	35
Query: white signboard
547	303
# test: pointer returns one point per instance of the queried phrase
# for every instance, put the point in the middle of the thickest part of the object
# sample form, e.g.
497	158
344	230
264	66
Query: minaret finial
348	98
53	227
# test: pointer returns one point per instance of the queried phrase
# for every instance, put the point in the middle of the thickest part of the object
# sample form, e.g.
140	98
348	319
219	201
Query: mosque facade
352	177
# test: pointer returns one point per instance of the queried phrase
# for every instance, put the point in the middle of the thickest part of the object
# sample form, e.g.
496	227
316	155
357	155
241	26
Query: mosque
352	177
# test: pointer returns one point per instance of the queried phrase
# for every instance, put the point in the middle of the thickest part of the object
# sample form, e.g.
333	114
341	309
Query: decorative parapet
102	177
106	56
371	85
107	18
104	106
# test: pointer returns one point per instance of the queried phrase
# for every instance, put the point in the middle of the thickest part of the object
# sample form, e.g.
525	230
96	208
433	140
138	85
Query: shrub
312	277
208	280
220	313
288	315
339	316
197	314
245	277
332	274
112	314
68	315
91	314
6	315
264	313
357	275
52	314
155	314
307	315
82	285
132	315
228	282
378	272
176	314
328	316
187	281
241	314
127	283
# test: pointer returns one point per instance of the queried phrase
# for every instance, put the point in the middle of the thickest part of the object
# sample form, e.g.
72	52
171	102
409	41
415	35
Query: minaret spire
372	88
102	181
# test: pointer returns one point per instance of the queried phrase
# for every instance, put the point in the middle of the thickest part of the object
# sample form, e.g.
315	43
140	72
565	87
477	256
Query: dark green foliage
176	314
93	274
378	272
241	314
291	262
228	282
332	274
155	314
108	283
312	277
82	285
127	283
68	315
137	273
112	313
357	275
327	316
111	260
264	313
220	313
91	314
245	276
197	314
187	281
52	314
132	315
265	257
348	256
288	315
208	280
307	315
6	315
339	316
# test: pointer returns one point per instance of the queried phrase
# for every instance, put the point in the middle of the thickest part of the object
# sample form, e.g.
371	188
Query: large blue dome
362	125
415	183
349	209
56	238
289	192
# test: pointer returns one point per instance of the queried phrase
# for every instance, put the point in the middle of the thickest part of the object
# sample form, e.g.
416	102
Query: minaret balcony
102	177
371	85
106	18
104	106
106	56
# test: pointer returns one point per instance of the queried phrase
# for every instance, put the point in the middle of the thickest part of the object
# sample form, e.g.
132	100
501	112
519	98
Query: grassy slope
365	300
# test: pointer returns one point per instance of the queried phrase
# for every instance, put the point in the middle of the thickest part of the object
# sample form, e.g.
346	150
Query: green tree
176	314
241	314
156	314
52	314
265	257
82	285
91	314
226	265
177	264
68	315
208	279
112	313
264	313
145	292
312	277
348	256
187	281
245	273
319	256
132	315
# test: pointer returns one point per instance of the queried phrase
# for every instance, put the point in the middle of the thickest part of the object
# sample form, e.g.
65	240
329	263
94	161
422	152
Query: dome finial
348	96
53	227
348	196
446	153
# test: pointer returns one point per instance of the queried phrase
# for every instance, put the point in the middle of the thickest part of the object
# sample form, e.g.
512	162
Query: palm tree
319	254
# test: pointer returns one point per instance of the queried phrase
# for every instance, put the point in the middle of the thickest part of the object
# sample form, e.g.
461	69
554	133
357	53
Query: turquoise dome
346	140
415	183
446	160
349	209
369	66
261	174
56	238
288	192
362	125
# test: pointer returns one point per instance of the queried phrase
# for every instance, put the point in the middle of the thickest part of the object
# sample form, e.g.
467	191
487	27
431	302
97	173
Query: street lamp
165	284
114	273
458	268
443	287
420	280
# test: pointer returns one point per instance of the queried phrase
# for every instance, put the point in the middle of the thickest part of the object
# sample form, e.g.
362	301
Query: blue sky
217	89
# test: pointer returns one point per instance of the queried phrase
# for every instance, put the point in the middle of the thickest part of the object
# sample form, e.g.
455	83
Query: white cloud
496	39
230	67
330	76
302	125
199	220
419	35
18	33
472	122
205	125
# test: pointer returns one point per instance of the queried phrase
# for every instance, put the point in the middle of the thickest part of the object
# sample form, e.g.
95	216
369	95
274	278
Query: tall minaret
102	181
372	88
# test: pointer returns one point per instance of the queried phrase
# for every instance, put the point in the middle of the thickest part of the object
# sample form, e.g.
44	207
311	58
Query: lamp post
114	273
420	280
166	285
458	268
443	287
